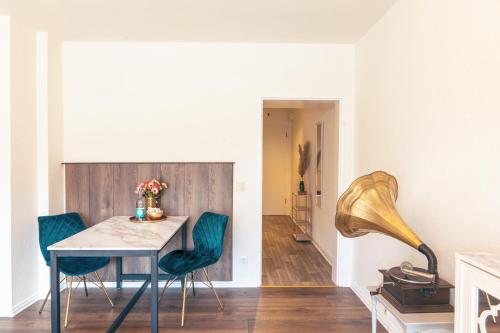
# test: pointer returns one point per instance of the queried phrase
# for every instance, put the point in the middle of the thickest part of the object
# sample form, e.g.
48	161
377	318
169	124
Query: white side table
474	272
396	322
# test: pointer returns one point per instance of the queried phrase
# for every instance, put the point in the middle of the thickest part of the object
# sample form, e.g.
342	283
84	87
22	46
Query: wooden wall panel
220	200
101	203
125	179
78	190
100	190
196	195
172	200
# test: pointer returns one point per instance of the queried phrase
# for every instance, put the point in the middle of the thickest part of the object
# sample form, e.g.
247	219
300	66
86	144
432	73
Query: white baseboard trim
364	295
320	250
17	308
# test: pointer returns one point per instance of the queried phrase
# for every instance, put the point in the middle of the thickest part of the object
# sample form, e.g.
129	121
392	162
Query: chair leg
85	285
184	295
192	283
47	297
167	284
43	304
69	286
213	289
164	289
103	288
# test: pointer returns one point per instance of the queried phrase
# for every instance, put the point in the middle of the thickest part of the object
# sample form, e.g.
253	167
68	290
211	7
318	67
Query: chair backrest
55	228
208	234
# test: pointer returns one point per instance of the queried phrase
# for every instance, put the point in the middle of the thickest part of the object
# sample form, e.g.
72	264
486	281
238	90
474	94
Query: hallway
286	262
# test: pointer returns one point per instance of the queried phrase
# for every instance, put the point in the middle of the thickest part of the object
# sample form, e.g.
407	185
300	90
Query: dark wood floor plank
286	262
255	310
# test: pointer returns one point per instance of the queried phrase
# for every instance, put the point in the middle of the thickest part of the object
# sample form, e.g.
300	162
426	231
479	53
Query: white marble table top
119	233
486	261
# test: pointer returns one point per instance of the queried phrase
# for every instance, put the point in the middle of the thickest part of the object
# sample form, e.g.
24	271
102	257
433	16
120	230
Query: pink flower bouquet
150	189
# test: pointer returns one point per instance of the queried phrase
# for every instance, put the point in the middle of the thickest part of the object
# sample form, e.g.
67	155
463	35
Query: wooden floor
286	262
270	310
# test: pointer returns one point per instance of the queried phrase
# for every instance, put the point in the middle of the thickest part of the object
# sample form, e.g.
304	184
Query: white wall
5	169
204	102
19	148
427	87
277	162
24	164
324	233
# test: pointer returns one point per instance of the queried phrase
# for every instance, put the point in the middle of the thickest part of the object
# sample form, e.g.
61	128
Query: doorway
299	239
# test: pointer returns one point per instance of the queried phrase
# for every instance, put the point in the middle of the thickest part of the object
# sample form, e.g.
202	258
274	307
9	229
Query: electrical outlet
244	260
240	187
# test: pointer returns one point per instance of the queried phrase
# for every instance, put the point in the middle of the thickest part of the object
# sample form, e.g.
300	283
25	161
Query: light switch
240	187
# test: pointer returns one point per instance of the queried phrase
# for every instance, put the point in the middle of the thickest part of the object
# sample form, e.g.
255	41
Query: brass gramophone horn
369	206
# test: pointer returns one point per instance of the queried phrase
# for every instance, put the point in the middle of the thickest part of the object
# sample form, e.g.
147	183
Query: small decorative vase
151	202
301	186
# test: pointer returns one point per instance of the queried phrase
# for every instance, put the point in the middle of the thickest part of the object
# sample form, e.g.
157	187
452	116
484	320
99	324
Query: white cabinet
475	272
396	322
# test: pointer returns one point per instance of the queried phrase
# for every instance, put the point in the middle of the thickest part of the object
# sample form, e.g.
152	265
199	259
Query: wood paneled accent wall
101	190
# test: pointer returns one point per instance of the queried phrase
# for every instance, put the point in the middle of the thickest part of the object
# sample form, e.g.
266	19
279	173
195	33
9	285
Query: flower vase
151	202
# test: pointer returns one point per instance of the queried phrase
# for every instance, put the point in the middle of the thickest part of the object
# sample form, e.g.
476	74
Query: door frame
343	258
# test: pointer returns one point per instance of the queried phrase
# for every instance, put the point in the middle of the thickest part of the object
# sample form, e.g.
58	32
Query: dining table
118	237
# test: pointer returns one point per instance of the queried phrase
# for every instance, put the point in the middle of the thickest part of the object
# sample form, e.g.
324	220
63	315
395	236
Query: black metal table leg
121	317
118	272
55	314
154	292
184	236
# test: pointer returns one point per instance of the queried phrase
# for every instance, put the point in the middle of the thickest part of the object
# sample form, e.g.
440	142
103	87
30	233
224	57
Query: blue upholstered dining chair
208	238
52	229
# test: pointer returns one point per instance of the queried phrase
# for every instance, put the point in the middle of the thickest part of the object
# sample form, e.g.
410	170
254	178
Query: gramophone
369	206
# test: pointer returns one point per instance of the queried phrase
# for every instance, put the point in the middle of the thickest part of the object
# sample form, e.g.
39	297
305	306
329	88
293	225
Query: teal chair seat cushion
180	262
77	266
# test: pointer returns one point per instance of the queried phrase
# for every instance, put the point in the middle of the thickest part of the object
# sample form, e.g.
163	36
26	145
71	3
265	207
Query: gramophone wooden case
408	298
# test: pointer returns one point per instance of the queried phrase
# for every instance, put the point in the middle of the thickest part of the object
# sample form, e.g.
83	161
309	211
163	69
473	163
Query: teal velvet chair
52	229
208	239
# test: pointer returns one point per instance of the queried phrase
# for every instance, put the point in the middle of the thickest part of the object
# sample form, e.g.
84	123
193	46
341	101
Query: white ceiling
283	21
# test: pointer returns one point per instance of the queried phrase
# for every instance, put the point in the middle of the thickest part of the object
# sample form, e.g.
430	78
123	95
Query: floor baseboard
24	304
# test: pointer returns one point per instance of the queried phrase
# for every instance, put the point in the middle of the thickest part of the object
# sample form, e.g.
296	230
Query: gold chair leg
167	284
163	291
47	297
43	304
184	294
213	289
103	288
69	282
